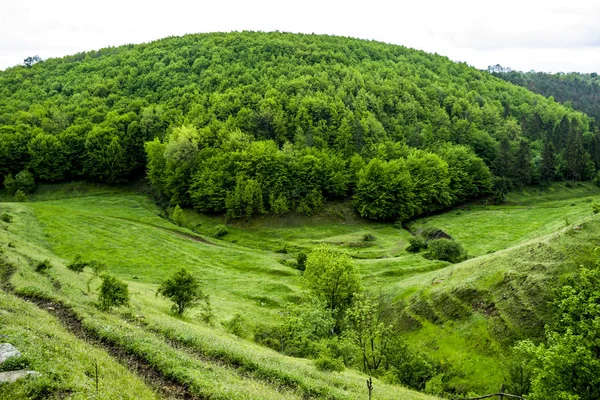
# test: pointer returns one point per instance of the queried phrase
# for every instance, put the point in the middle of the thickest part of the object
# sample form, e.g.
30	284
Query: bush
20	196
239	326
368	237
24	181
43	266
9	184
113	293
596	179
416	244
325	363
184	290
596	208
301	261
177	216
446	250
6	217
77	265
220	231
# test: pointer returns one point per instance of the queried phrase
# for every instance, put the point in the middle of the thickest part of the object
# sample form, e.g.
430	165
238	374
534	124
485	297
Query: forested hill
582	91
247	123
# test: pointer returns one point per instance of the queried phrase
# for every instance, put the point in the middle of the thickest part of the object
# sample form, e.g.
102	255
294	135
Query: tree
385	191
184	290
369	331
24	182
177	216
333	278
575	154
548	169
29	61
522	167
113	293
568	365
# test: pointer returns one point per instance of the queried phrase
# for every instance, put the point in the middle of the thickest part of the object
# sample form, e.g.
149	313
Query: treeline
336	117
580	91
243	177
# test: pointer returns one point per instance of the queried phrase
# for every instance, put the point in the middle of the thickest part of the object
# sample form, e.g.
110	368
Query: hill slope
253	122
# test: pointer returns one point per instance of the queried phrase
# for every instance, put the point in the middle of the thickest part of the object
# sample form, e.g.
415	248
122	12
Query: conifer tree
548	164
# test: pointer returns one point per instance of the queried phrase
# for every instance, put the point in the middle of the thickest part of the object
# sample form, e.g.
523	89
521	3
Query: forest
576	90
249	123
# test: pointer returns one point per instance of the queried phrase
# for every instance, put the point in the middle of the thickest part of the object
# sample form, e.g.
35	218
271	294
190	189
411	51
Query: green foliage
301	261
14	364
369	331
77	265
407	366
6	217
20	196
24	182
184	290
333	278
220	231
595	208
567	366
385	191
177	216
446	250
326	363
368	237
416	244
43	266
239	326
113	293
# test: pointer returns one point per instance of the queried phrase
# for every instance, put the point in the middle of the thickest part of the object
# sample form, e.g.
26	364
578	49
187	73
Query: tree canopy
245	123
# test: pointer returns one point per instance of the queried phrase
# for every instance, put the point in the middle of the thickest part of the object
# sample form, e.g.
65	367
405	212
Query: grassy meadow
463	315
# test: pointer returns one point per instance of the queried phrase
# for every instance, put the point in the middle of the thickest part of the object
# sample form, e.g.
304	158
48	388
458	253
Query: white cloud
542	35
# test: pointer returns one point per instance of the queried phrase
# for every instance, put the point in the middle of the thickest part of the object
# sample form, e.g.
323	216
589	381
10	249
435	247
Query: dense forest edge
248	123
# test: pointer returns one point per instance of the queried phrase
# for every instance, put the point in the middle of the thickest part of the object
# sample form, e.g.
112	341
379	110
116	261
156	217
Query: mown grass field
250	271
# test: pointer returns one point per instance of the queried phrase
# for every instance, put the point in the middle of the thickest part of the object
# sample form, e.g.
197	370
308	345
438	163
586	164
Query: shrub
220	231
43	266
77	265
177	216
6	217
9	184
184	290
326	363
368	237
301	261
596	179
416	244
239	326
20	196
24	181
446	250
113	293
596	208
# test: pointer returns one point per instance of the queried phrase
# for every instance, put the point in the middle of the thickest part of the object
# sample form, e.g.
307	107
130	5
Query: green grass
125	230
66	363
463	315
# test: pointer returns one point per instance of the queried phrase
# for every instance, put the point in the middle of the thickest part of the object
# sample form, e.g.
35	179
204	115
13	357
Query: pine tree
575	154
548	164
504	160
522	166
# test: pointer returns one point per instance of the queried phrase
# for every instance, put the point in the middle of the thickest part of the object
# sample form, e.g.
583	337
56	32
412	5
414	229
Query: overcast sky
545	35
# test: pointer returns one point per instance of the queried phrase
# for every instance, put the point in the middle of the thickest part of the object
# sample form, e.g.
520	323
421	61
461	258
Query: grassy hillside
462	315
184	352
